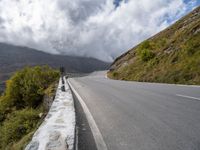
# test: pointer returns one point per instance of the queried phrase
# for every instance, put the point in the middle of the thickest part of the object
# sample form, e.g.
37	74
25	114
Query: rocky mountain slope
171	56
13	58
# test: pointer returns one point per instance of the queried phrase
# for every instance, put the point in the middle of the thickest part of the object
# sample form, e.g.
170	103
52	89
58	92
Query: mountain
171	56
13	58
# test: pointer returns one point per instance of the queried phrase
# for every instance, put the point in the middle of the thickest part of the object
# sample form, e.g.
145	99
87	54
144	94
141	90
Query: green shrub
21	145
4	108
145	45
115	74
17	125
21	104
51	90
26	87
146	55
144	51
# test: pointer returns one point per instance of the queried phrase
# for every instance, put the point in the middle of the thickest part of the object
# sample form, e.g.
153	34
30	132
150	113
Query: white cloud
92	28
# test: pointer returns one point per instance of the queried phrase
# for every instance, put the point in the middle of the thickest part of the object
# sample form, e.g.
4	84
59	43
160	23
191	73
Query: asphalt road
85	138
142	116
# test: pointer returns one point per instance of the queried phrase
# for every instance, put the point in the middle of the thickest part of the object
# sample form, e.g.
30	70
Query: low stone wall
57	130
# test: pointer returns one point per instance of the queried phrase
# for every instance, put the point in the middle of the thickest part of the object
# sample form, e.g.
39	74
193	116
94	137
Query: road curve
142	116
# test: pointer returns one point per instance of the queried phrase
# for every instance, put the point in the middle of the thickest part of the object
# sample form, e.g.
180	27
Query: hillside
171	56
13	58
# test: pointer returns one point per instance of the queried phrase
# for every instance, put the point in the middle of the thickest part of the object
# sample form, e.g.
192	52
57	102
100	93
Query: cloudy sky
103	29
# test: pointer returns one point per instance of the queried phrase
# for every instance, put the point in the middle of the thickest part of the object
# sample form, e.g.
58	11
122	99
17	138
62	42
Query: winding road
141	116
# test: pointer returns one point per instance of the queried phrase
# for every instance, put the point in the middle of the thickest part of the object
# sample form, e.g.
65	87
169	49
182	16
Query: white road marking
188	97
195	86
100	143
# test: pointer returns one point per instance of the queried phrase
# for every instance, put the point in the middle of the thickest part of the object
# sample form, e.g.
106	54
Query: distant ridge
13	58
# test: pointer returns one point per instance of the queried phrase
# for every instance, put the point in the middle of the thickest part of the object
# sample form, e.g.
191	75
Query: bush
21	104
145	51
21	145
146	55
26	87
19	124
115	74
4	108
145	45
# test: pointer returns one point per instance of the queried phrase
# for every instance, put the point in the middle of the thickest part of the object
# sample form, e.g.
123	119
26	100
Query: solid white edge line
101	145
188	97
195	86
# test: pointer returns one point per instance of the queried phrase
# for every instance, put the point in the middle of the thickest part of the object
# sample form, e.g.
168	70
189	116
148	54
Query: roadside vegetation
172	56
21	105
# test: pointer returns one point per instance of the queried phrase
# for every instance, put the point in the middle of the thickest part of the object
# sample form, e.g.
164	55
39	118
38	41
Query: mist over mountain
13	58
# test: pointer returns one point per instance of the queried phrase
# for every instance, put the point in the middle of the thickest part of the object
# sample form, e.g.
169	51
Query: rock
48	116
49	97
47	101
59	120
40	115
56	142
32	146
54	145
59	126
55	135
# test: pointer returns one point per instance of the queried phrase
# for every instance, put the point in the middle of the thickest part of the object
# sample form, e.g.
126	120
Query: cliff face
171	56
